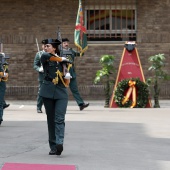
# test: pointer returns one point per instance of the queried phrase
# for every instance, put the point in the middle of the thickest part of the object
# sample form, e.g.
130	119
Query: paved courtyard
96	138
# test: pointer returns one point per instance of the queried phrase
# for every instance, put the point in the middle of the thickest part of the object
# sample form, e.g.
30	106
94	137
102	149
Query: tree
103	75
157	64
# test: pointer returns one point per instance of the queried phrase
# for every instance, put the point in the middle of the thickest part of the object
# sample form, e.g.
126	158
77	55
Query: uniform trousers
39	98
2	94
74	89
55	110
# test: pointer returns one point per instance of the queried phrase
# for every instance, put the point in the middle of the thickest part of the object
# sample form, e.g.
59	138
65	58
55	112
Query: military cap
51	41
65	39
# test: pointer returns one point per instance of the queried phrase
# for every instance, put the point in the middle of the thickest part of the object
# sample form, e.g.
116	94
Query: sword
37	46
41	67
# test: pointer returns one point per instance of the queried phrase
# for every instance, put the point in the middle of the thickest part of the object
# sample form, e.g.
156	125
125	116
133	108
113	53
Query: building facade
109	24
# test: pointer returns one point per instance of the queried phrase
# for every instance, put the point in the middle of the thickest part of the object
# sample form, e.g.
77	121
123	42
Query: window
111	22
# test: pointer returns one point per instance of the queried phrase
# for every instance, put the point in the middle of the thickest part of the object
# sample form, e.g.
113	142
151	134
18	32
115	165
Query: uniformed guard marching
54	94
73	81
38	67
3	79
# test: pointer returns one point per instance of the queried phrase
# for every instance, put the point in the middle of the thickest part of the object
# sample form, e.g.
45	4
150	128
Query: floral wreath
131	93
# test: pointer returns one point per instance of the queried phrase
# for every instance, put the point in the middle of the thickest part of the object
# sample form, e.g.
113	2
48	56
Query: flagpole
80	37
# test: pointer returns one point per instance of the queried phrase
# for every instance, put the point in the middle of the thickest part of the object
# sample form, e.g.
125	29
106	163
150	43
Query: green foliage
157	65
107	63
103	75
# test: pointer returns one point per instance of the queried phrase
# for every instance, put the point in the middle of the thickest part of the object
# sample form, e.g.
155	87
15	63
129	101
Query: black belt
48	79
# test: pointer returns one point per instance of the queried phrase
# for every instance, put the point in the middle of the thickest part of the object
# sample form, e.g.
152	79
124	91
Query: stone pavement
96	138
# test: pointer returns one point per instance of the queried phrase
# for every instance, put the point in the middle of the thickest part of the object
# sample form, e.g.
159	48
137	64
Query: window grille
110	20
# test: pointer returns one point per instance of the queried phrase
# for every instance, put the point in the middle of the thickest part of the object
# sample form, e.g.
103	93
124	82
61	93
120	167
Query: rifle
64	53
60	39
66	64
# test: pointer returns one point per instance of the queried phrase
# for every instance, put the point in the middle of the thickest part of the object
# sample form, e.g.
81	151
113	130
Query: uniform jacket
37	64
48	89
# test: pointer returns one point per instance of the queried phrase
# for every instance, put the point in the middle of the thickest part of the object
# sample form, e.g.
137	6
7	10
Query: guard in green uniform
69	52
54	94
3	79
38	67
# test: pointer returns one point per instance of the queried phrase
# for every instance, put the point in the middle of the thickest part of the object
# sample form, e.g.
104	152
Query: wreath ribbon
131	91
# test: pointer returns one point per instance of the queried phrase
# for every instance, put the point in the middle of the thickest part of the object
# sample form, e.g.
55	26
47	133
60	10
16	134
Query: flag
80	36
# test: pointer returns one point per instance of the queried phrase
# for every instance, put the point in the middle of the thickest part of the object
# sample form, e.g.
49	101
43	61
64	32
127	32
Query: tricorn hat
51	41
130	46
65	39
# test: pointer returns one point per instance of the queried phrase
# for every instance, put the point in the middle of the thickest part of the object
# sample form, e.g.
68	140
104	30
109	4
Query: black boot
5	106
84	105
1	121
52	152
59	148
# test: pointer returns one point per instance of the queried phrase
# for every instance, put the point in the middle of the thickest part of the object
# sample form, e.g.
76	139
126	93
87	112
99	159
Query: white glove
64	59
3	54
41	69
5	75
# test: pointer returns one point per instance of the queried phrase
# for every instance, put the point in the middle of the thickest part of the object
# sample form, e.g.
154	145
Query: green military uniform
36	65
2	91
73	82
55	98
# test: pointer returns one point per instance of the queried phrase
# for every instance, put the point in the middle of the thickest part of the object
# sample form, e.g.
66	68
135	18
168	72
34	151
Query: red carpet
21	166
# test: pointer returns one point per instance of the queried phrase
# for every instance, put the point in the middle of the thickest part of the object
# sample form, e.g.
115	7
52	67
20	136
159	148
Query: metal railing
110	20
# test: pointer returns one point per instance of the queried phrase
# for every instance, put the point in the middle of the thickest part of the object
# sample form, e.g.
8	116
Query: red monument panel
130	67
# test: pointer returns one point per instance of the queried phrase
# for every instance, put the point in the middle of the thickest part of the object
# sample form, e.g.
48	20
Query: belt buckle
55	80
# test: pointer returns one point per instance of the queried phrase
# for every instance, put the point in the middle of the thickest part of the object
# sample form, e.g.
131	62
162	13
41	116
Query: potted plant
103	75
157	65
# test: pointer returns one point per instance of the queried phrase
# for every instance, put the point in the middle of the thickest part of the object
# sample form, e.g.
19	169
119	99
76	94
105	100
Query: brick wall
22	21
